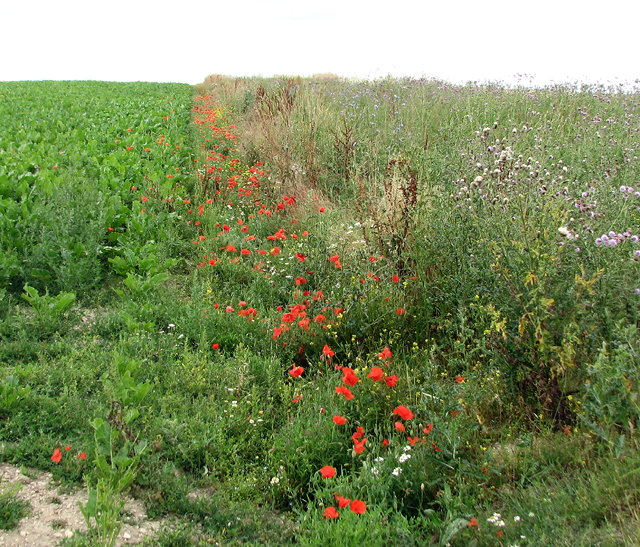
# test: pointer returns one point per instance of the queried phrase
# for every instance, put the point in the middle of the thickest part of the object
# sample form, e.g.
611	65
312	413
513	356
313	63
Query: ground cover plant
325	312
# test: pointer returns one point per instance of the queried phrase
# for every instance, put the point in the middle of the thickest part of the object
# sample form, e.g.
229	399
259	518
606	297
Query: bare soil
56	514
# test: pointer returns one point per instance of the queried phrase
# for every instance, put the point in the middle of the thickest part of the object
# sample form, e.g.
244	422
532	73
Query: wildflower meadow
323	312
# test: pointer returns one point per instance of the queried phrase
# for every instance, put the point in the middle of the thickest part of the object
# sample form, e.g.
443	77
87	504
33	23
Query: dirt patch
55	515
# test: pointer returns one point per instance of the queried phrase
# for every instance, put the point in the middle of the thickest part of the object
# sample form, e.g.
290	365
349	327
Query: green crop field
324	312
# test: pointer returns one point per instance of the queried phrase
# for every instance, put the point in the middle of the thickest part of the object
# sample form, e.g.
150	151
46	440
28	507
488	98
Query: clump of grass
12	509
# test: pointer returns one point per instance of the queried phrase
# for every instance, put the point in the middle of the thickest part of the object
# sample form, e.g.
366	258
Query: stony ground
55	514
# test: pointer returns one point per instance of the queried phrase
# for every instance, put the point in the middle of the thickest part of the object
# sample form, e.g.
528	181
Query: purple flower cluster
612	239
628	190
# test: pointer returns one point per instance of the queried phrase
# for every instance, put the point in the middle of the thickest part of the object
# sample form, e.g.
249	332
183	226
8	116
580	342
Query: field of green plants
324	312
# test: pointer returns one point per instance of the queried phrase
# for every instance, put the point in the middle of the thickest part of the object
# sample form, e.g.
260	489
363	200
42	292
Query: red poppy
326	351
331	513
276	332
385	442
300	281
82	456
215	346
57	456
399	426
358	507
230	309
435	447
322	209
376	374
341	390
339	420
328	472
349	377
413	440
391	380
459	379
231	248
301	257
385	354
245	252
304	324
428	429
342	501
296	371
474	522
403	412
395	279
359	446
359	433
143	199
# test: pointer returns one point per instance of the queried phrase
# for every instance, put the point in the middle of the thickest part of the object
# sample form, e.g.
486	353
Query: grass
462	259
12	509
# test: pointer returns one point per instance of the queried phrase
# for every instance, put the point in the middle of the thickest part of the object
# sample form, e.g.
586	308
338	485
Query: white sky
455	40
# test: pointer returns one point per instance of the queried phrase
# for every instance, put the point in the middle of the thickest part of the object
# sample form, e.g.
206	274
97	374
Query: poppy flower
143	199
391	380
474	522
231	248
401	311
349	377
327	352
399	426
413	440
358	448
342	501
82	456
57	456
230	309
385	442
215	346
428	429
296	371
328	472
395	279
403	412
435	447
376	374
385	354
341	390
359	433
245	252
339	420
459	379
358	507
322	209
331	513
